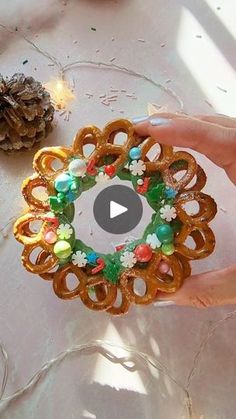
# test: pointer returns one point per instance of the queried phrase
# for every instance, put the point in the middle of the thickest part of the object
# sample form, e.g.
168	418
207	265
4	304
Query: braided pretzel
95	289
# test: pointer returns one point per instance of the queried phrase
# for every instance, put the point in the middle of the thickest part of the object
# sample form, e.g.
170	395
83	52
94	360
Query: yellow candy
168	249
62	249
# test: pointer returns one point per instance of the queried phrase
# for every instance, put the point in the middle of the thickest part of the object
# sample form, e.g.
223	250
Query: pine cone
26	112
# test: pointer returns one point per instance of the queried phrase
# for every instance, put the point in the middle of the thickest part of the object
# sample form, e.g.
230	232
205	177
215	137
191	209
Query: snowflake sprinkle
137	167
153	241
64	231
128	259
102	177
79	259
168	213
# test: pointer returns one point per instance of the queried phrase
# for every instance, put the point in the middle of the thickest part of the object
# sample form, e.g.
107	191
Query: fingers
222	120
203	134
210	289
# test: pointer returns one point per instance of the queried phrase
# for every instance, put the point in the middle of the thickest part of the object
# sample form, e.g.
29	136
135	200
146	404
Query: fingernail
139	119
158	122
164	303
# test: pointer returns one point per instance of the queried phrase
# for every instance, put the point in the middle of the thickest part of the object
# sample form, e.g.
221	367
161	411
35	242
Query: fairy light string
62	70
103	347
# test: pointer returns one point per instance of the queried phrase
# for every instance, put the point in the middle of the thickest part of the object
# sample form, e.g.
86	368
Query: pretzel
108	282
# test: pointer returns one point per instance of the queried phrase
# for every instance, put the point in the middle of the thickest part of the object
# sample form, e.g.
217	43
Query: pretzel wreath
170	181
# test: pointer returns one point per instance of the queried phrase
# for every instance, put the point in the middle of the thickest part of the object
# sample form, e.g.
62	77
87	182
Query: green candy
168	249
165	233
61	196
62	249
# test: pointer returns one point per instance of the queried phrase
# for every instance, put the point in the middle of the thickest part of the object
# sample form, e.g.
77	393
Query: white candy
77	167
140	182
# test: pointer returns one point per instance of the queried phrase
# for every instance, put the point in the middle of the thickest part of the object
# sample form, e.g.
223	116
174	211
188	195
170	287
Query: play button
117	209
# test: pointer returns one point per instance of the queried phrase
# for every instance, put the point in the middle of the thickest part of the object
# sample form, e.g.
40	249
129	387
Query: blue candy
70	196
170	192
63	182
92	257
135	153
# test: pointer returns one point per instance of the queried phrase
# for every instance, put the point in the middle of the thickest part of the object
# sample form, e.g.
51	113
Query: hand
215	137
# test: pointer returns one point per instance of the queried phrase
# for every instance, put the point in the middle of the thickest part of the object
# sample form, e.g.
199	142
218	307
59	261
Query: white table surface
192	43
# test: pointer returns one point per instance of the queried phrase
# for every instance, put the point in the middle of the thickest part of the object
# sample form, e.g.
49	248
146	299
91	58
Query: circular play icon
118	209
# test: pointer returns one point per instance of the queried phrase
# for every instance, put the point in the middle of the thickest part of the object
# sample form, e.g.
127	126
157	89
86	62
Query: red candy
143	253
91	169
53	220
110	170
120	247
142	189
99	267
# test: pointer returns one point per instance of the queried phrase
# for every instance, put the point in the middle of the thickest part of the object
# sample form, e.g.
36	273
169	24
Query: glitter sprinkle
105	103
112	97
208	103
221	89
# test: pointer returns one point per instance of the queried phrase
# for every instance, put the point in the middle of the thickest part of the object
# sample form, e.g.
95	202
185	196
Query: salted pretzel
161	258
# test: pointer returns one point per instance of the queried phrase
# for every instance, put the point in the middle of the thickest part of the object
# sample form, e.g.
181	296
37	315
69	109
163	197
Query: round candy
50	236
140	182
110	169
168	249
62	183
73	186
62	249
135	153
77	167
60	196
164	267
165	233
143	253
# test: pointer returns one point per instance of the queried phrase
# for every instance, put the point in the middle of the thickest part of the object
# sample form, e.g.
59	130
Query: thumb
206	137
210	289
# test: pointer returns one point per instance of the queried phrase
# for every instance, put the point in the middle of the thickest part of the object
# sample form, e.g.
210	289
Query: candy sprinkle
93	29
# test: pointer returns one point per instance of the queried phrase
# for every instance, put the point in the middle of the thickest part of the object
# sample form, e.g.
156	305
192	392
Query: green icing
155	194
69	212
